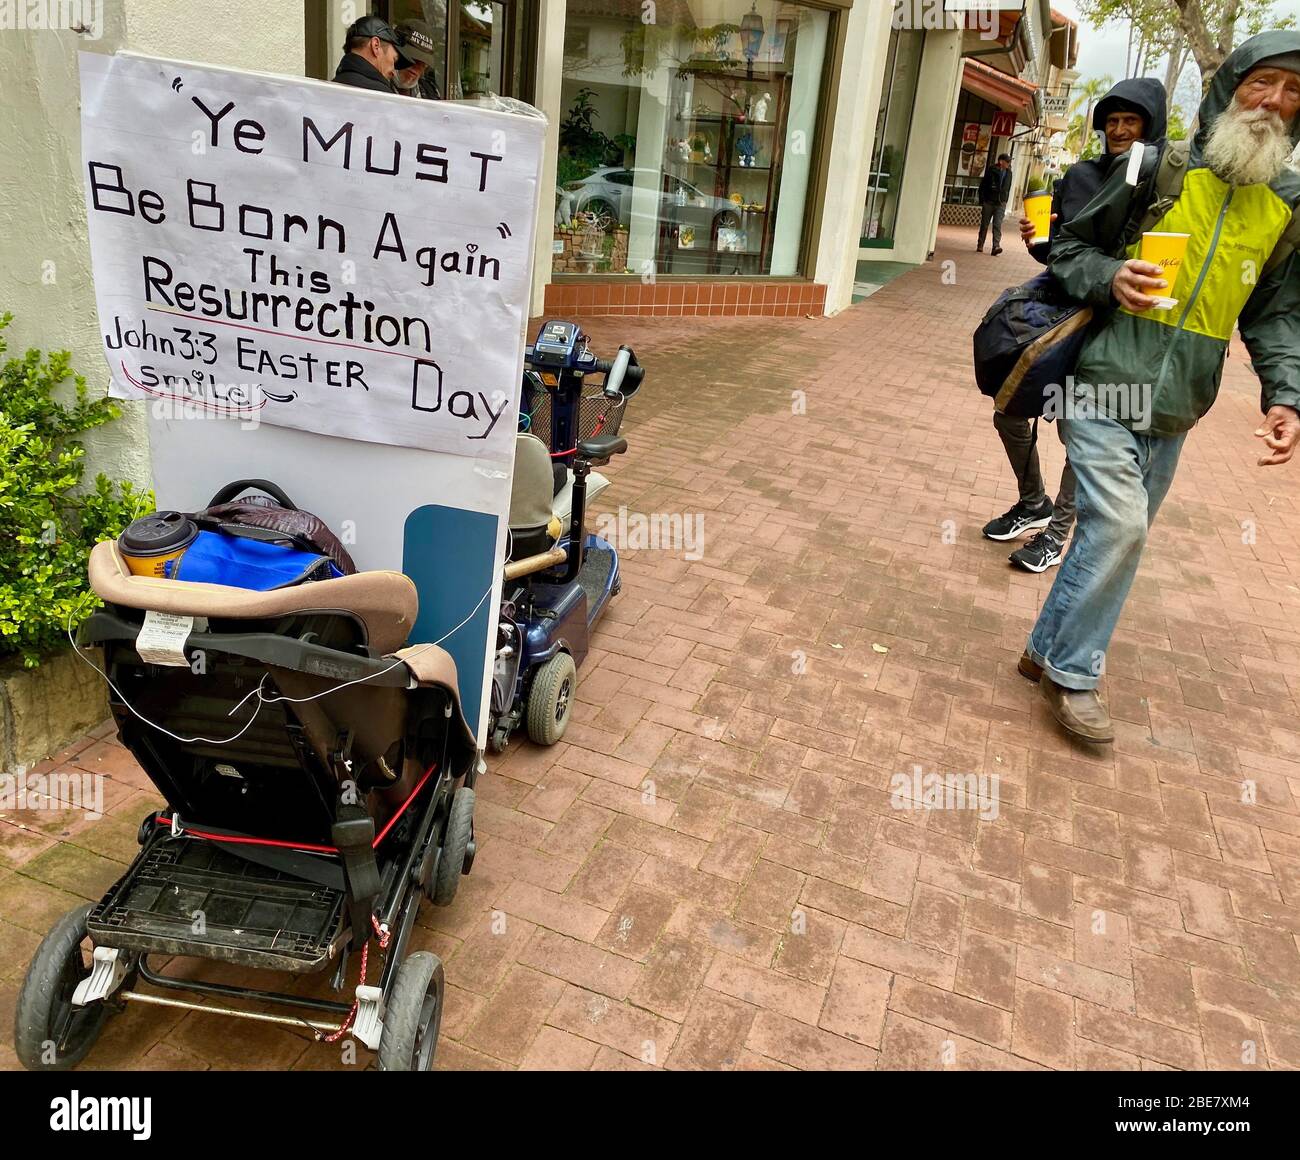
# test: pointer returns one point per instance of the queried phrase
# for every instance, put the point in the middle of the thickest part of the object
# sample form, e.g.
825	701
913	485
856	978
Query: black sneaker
1019	520
1042	551
997	250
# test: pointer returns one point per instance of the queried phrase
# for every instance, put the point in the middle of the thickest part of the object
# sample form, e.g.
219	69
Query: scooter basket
597	415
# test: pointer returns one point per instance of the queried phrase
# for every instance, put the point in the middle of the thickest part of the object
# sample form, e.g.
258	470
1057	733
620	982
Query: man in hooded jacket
1148	373
1133	111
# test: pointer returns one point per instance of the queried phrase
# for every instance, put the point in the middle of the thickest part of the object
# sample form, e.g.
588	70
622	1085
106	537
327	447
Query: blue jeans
1122	478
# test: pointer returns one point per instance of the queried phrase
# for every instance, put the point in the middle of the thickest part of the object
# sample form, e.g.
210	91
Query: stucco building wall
45	277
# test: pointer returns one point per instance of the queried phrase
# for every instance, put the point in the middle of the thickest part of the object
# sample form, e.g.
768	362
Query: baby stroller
558	577
300	829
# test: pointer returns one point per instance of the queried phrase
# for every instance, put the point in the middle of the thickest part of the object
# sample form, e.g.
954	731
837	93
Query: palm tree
1076	135
1089	92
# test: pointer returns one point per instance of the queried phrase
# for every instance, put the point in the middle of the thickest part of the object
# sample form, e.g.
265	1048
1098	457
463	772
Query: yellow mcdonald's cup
1166	251
1038	209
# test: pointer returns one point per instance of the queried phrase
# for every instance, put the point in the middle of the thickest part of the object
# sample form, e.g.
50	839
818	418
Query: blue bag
239	562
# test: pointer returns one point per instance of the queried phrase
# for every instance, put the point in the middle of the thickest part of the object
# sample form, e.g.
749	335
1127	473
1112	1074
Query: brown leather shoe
1080	712
1029	668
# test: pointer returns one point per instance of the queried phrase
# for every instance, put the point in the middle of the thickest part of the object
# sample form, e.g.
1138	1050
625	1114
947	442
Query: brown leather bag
272	517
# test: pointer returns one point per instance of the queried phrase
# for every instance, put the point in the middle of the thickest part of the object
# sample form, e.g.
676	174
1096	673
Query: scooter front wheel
550	700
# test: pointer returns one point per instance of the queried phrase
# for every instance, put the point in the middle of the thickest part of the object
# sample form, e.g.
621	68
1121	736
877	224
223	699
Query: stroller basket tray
188	896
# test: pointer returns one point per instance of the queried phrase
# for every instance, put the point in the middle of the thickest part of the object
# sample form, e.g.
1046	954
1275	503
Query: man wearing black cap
372	53
995	192
420	80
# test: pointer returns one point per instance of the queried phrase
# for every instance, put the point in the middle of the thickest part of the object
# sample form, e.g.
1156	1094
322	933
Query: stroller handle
239	486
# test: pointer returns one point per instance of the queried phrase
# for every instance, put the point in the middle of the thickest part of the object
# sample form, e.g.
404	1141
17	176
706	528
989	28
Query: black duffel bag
1029	342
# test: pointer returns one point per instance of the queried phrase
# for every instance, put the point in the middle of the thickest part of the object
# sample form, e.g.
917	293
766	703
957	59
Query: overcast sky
1102	51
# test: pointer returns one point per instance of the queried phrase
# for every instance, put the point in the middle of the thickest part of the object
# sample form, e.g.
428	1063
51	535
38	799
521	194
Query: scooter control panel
558	344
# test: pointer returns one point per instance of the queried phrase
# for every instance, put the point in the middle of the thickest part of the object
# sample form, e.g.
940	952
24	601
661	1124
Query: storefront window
893	127
972	150
686	145
484	43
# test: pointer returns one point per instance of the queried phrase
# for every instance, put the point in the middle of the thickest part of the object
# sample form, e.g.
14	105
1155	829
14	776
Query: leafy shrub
47	530
583	147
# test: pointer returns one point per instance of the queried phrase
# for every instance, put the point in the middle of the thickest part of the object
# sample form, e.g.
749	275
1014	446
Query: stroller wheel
413	1015
455	846
551	699
50	1034
148	827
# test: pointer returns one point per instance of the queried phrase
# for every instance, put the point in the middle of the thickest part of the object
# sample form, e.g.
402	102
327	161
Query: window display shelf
721	118
726	238
733	166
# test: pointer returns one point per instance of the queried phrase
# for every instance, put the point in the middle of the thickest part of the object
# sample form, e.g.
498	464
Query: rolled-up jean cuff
1065	680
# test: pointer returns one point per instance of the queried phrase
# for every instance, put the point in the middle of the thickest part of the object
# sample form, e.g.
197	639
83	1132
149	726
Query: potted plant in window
748	150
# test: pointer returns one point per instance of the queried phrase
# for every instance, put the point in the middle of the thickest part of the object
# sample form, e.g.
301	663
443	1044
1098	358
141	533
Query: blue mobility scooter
559	578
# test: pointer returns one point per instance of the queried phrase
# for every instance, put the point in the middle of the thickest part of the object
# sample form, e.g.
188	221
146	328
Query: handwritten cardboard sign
310	255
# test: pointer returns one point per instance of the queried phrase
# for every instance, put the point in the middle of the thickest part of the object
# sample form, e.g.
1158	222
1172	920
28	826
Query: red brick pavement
707	872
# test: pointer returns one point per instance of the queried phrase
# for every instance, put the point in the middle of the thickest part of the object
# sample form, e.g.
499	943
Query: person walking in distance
1237	210
995	192
1133	111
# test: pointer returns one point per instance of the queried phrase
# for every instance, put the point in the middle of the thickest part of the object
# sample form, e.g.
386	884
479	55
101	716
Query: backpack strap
1287	245
1165	189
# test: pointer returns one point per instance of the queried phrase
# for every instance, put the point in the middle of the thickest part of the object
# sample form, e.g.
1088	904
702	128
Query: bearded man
1148	372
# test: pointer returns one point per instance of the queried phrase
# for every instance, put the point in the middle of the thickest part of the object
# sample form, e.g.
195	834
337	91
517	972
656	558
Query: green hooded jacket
1177	355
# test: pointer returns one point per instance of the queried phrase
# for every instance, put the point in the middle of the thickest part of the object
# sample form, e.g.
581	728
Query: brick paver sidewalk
707	871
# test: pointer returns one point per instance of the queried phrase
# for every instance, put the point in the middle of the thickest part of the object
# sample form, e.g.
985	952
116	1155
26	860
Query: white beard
1248	146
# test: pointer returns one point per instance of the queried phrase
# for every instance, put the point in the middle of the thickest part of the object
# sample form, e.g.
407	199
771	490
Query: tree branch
1228	27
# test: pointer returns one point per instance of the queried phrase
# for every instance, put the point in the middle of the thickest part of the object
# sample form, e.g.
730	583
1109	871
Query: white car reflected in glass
607	194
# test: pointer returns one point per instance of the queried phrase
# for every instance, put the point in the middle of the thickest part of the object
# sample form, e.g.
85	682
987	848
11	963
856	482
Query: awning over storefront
1001	89
1065	41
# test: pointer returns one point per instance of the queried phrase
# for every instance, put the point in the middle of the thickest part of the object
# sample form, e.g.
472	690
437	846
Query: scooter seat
386	603
534	502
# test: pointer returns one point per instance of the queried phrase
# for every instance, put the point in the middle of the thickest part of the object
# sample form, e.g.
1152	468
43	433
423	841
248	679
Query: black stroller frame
203	886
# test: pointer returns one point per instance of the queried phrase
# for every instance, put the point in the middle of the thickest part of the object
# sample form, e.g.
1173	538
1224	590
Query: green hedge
47	526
